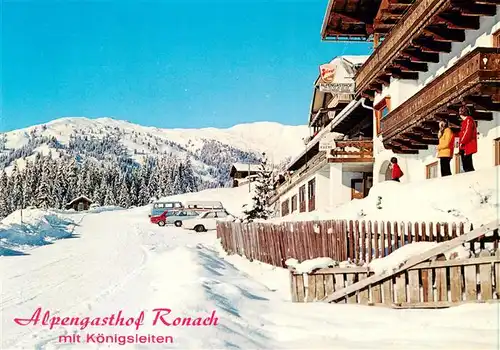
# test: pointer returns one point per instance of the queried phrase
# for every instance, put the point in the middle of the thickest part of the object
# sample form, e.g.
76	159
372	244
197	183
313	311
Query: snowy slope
278	141
119	261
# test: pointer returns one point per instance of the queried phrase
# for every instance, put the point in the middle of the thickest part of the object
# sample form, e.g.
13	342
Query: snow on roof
78	198
244	167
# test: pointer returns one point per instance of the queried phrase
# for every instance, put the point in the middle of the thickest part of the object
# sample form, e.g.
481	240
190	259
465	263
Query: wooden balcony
349	151
428	28
474	80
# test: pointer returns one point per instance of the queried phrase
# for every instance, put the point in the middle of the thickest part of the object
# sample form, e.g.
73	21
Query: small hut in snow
80	203
243	173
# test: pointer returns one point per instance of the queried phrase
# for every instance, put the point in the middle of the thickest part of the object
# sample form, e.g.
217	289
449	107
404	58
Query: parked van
203	205
160	207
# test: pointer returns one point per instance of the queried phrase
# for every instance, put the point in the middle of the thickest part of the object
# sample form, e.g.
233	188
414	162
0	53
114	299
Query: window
497	151
382	109
285	209
432	170
311	194
294	203
221	214
458	164
209	215
496	39
302	198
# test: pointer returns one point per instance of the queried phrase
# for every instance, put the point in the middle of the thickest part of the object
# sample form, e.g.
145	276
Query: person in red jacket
467	138
397	173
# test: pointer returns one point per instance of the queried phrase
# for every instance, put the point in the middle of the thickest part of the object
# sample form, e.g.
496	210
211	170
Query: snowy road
118	261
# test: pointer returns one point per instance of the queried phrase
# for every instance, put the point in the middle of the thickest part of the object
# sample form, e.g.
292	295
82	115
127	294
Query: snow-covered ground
468	197
117	261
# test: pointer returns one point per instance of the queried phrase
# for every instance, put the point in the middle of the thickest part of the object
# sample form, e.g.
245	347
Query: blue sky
162	63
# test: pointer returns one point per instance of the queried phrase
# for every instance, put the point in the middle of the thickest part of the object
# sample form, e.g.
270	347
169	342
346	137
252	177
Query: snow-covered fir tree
4	196
259	207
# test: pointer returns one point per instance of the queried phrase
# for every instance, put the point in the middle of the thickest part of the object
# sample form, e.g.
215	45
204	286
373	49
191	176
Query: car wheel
199	228
161	223
178	223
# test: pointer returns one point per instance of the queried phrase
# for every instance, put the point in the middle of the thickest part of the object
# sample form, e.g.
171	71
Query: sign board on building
327	142
337	88
327	73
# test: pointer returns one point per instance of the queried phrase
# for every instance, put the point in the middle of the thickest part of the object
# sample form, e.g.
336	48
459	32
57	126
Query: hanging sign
327	142
327	78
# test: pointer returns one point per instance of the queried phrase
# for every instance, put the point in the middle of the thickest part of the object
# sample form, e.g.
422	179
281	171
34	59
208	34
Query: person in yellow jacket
445	147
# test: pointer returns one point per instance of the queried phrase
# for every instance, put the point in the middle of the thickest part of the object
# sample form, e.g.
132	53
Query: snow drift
468	197
37	228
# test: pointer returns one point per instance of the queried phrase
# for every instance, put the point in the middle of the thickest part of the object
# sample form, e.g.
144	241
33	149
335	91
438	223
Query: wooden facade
362	20
350	151
474	80
428	28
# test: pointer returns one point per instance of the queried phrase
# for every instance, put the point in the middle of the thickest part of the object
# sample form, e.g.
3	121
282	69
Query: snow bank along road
120	262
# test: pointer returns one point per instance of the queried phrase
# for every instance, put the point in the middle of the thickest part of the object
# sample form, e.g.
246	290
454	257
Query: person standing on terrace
468	138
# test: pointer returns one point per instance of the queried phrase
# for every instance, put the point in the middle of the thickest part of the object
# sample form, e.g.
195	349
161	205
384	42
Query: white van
203	205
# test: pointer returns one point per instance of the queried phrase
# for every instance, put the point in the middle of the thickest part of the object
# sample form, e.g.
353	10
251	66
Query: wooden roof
359	20
428	29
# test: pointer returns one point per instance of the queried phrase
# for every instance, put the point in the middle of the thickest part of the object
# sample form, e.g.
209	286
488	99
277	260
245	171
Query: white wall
322	190
340	184
414	166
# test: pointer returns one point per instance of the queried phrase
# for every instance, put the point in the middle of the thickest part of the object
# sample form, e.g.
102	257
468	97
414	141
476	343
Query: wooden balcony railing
420	15
475	71
352	150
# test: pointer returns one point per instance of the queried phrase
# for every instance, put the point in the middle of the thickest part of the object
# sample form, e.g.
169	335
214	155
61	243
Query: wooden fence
438	283
341	240
424	280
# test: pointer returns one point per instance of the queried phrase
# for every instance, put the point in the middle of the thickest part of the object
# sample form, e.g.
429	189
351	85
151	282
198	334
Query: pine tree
16	196
44	194
123	196
4	195
28	184
189	178
259	208
60	186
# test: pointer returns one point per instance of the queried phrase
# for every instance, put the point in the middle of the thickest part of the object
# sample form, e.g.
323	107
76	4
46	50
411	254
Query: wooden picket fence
425	280
341	240
438	283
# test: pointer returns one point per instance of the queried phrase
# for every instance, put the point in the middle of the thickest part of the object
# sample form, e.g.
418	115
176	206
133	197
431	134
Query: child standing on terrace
397	173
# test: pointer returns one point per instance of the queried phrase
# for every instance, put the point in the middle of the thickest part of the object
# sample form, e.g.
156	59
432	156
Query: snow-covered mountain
208	147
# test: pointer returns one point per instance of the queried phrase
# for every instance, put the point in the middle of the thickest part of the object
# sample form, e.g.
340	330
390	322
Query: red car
159	220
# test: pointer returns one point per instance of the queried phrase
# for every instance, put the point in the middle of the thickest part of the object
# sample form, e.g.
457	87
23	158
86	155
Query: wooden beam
469	8
417	55
412	261
456	21
412	66
414	138
483	103
411	145
445	34
488	2
347	18
428	45
398	74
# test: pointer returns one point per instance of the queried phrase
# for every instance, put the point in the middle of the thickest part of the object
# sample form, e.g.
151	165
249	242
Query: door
357	189
368	183
81	206
210	221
